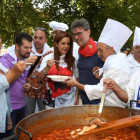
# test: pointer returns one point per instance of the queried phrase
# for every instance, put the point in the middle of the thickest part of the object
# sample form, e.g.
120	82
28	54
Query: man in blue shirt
88	58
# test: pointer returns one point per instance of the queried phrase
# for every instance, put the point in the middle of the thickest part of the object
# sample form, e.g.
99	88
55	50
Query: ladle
94	119
114	125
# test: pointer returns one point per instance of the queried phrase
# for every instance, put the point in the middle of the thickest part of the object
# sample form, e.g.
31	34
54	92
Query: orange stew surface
64	134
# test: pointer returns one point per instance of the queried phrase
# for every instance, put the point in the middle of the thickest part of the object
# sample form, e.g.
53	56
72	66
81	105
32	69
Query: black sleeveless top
85	66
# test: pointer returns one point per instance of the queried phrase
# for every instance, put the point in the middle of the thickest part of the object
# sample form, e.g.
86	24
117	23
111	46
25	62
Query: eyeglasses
40	28
78	34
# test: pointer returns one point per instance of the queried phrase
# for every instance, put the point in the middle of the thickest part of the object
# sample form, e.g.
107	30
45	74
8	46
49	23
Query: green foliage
24	15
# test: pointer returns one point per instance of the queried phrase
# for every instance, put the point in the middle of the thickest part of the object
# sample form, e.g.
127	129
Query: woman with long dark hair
61	62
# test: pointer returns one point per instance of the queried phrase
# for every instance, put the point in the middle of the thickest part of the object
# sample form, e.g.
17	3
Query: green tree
18	16
25	15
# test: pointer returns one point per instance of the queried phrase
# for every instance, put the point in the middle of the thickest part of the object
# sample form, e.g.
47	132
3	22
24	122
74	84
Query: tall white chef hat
136	40
115	34
58	26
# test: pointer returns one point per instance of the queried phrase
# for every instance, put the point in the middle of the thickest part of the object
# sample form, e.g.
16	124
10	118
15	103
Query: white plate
58	78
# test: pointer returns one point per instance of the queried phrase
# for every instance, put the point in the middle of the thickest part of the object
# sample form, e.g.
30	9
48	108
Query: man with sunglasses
34	94
88	58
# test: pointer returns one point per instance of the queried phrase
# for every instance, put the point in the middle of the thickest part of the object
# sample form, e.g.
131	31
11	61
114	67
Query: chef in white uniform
130	92
134	60
59	26
116	66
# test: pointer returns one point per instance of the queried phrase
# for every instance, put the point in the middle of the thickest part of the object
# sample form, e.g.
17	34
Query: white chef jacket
134	65
117	68
132	88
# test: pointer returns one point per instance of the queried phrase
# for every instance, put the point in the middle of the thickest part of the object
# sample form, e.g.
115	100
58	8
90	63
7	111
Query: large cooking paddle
114	125
93	120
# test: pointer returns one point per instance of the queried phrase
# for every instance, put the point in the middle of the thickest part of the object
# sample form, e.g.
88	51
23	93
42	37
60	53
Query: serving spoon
95	120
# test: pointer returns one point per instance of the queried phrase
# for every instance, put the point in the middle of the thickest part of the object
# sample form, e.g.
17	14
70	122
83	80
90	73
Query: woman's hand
50	63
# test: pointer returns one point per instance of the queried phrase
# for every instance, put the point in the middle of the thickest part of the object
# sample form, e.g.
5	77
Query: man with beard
18	52
35	94
134	60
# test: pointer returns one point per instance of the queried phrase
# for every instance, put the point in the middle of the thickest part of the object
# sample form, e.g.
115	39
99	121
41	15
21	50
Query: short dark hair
42	29
80	23
22	36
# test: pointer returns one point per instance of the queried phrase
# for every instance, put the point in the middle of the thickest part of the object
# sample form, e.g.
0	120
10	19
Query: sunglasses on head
40	28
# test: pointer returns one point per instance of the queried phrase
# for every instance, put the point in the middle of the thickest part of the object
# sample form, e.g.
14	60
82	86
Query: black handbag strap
32	67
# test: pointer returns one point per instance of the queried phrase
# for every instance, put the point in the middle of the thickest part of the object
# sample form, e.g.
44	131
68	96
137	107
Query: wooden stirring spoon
93	120
114	125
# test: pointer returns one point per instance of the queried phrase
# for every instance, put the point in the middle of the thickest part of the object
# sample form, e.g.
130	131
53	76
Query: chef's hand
96	72
109	83
138	101
27	86
50	63
31	60
70	82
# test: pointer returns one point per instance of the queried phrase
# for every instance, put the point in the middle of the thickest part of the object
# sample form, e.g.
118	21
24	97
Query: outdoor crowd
93	68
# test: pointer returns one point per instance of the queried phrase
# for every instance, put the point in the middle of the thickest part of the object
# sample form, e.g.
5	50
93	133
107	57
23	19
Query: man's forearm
80	86
11	76
120	93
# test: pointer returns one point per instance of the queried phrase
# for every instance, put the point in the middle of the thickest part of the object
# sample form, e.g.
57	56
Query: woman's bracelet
44	72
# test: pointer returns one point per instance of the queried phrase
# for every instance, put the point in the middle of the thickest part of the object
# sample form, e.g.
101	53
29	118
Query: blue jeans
16	116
